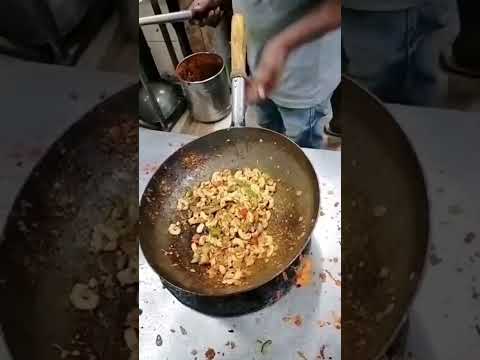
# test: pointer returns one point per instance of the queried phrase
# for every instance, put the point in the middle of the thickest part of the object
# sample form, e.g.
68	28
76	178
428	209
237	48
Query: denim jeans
392	52
304	126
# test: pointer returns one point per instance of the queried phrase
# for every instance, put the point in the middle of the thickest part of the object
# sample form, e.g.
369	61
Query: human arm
319	21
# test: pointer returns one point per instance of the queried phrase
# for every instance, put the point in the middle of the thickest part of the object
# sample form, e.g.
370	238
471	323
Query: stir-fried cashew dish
229	216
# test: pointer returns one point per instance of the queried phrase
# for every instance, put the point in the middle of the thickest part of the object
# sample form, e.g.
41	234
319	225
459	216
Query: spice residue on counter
336	281
210	354
296	320
302	355
183	331
149	169
323	277
230	344
263	347
322	353
305	274
337	320
434	259
322	323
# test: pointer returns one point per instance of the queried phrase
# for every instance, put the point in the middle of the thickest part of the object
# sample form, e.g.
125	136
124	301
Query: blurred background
91	34
104	35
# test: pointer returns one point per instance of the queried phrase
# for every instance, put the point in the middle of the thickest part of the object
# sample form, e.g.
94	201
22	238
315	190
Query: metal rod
165	34
169	44
166	18
183	40
146	60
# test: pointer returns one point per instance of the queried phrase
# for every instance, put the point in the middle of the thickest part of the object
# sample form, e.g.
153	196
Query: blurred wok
384	224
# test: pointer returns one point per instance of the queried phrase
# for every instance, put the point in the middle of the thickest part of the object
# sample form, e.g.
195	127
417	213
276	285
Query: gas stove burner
245	303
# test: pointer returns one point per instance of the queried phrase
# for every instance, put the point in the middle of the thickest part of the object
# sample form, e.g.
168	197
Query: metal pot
169	98
207	86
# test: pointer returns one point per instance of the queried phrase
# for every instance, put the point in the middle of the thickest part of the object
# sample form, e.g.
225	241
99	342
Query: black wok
384	224
47	246
195	162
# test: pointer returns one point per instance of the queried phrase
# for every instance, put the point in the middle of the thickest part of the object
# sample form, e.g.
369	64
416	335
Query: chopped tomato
244	212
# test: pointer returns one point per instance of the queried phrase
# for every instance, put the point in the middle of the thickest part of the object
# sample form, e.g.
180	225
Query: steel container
207	86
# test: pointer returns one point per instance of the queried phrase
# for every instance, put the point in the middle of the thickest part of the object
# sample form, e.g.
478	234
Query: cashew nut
84	298
174	229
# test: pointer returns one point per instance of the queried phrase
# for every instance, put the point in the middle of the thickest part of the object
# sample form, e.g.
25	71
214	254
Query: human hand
206	12
268	72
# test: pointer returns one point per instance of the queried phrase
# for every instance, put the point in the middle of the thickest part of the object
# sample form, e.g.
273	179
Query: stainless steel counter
316	307
445	317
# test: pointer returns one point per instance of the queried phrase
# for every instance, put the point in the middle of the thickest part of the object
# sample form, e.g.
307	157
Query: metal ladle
238	74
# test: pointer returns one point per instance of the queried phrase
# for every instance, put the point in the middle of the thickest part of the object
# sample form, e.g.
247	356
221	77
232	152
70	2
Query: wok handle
238	74
239	46
166	18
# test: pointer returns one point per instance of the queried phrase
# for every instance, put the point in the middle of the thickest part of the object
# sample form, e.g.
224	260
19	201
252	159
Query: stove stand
397	351
245	303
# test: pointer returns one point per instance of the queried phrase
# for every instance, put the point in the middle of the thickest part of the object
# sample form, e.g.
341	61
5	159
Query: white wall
155	40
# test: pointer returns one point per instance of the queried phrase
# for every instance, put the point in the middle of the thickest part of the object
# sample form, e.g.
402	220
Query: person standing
293	50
